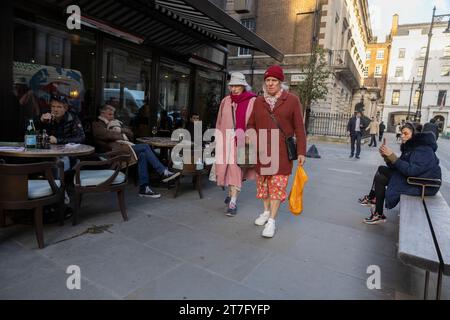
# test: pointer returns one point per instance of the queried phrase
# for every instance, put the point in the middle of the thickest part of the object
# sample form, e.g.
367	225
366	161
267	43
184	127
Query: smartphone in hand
384	141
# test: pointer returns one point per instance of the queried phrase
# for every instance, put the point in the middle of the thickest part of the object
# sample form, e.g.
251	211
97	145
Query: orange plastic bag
296	194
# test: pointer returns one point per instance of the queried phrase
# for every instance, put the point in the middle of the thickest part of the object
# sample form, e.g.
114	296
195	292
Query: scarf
272	100
241	100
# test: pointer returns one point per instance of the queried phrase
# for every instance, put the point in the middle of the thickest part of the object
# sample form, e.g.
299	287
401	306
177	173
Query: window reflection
173	97
48	61
208	95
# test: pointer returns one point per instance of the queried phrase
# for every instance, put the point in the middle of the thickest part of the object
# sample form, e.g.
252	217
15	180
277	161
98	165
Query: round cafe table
17	185
76	150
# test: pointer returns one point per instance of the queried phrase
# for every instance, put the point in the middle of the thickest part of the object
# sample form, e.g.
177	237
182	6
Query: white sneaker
269	229
262	219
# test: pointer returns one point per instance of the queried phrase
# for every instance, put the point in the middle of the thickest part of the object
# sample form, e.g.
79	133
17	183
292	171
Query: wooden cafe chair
18	192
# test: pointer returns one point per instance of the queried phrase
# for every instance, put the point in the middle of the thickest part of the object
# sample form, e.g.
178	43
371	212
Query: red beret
274	71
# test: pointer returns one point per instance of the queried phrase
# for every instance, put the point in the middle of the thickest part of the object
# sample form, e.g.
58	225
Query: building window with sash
442	96
395	97
250	25
416	98
398	72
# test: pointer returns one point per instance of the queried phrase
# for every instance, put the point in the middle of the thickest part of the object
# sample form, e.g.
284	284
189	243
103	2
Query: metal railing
330	124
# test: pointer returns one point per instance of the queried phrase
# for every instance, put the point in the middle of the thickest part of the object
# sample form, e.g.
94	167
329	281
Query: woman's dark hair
411	126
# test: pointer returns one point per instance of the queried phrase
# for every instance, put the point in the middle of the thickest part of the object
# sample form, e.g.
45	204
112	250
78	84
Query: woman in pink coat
235	110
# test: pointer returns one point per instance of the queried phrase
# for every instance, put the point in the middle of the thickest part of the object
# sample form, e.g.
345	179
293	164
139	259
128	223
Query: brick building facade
341	27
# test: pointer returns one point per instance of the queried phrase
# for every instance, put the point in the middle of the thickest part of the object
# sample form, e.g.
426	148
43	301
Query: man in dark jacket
355	127
61	125
381	130
431	127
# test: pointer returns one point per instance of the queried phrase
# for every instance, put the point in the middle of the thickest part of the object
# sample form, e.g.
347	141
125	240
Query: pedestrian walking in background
373	129
234	113
276	110
398	132
381	129
355	128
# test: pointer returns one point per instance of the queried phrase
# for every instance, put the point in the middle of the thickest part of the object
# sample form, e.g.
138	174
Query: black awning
208	17
181	26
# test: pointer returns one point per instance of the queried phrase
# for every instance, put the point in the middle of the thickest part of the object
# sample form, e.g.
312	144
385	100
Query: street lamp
434	18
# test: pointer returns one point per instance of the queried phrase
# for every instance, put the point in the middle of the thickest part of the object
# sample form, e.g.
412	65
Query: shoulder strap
272	116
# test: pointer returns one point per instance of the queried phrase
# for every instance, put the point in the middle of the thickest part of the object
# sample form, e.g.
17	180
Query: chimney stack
394	28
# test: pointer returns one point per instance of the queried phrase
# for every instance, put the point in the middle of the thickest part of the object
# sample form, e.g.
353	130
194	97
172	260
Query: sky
409	11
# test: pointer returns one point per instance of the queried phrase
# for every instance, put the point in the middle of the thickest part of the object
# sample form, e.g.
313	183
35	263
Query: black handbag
291	142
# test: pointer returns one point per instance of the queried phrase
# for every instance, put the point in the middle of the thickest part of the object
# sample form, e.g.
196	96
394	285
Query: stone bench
424	236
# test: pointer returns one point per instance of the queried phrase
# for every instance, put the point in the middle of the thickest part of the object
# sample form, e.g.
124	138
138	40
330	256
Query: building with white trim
406	64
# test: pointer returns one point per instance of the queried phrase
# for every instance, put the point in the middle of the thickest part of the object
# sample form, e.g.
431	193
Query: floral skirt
272	187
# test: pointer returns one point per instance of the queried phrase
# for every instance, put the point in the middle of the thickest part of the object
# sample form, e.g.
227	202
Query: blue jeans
146	156
355	138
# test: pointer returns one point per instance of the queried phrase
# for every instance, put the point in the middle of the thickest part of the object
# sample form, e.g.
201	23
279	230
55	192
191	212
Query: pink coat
231	173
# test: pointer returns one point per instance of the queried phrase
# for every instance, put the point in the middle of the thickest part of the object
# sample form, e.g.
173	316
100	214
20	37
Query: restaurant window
395	97
126	83
174	86
208	94
48	60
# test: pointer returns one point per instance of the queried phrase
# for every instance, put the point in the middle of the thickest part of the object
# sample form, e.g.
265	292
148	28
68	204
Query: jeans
378	190
146	156
356	137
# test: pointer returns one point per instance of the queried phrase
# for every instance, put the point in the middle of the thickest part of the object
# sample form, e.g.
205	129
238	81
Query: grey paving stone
52	286
188	281
285	278
113	262
229	257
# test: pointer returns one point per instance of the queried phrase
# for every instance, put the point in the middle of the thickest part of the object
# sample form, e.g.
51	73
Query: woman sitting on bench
418	159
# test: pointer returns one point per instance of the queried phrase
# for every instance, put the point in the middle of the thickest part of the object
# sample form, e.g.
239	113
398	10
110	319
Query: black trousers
373	140
378	190
355	137
381	135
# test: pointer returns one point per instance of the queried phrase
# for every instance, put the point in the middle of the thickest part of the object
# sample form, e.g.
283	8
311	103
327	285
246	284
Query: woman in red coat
273	164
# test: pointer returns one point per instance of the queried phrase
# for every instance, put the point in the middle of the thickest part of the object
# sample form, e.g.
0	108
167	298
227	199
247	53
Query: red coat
288	112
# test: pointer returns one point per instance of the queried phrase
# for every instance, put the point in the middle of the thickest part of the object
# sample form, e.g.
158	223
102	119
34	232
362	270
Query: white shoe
262	219
269	229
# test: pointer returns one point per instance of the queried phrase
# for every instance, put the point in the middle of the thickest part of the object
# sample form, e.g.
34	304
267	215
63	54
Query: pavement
187	248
